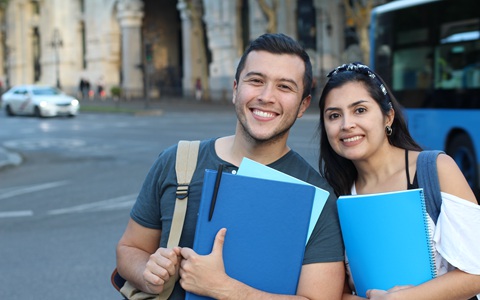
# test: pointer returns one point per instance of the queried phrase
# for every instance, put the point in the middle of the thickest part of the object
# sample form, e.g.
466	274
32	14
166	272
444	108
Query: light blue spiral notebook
267	224
387	239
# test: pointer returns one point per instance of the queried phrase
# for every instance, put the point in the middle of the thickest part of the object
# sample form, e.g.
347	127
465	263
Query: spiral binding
429	233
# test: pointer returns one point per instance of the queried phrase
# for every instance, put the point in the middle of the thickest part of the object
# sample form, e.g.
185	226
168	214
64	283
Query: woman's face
354	122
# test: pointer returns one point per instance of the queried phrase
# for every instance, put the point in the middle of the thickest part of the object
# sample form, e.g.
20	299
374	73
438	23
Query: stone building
156	47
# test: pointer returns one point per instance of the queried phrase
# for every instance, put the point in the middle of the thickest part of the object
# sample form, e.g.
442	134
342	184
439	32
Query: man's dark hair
279	43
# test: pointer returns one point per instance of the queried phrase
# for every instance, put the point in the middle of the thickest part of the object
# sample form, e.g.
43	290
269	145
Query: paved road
63	209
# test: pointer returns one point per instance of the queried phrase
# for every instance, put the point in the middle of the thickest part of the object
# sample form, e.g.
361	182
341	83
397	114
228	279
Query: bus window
412	69
428	51
456	63
449	64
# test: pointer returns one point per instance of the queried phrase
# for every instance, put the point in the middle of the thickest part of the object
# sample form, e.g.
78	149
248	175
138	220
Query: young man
270	91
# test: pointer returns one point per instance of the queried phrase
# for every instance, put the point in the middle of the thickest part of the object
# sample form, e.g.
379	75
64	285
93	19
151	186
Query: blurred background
150	48
144	74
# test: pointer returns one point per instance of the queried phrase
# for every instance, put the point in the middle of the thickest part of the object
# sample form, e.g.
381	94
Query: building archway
162	48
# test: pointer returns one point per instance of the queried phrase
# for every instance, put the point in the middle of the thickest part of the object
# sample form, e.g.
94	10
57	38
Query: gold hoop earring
388	130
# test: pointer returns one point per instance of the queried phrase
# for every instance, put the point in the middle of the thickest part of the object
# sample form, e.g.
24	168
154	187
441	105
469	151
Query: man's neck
234	148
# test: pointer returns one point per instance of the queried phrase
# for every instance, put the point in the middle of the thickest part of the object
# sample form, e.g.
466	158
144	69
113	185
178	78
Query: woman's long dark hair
340	172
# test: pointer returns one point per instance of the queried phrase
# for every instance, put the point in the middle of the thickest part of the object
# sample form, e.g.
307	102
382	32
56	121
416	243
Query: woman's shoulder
451	178
446	165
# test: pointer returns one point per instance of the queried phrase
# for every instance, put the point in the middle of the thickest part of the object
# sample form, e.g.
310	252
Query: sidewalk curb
154	112
8	158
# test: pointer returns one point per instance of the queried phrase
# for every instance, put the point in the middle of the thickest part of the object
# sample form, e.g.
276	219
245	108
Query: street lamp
57	43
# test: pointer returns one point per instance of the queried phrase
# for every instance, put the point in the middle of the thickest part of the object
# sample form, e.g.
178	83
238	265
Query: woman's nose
348	124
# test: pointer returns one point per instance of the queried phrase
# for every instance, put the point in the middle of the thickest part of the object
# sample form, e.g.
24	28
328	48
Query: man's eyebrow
283	79
253	73
290	80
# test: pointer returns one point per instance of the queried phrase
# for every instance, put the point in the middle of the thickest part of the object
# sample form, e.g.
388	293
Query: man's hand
160	268
204	274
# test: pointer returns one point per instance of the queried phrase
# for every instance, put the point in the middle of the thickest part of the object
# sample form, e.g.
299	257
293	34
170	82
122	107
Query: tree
199	55
3	46
271	14
3	4
358	14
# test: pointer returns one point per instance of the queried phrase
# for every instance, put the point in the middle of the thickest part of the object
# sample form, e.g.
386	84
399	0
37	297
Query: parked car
40	101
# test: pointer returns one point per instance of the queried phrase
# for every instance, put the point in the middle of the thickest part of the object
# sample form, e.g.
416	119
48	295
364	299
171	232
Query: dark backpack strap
117	280
427	176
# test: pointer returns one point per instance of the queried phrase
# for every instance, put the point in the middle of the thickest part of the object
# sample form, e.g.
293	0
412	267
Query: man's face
268	95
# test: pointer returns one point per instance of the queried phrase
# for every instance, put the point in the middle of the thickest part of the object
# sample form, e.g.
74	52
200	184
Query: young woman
366	148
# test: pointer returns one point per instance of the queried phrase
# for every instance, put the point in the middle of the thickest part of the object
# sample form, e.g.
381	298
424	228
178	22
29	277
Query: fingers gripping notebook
387	239
267	224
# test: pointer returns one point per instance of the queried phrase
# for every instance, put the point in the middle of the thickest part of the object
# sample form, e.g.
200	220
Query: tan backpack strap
187	154
186	163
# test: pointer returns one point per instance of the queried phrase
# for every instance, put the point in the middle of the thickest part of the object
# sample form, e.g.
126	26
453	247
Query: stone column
185	16
130	14
286	18
258	21
222	22
330	34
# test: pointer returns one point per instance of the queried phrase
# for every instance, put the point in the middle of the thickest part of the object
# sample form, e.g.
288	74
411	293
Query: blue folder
387	239
267	224
252	168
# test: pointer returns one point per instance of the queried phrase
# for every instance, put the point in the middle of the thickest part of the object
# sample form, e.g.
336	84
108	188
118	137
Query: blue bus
428	52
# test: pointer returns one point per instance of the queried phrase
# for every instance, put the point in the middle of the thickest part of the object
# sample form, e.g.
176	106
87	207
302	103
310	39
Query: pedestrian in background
198	89
81	89
100	88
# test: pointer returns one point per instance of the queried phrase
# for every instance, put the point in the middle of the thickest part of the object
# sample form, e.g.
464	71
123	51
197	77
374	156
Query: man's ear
234	96
304	105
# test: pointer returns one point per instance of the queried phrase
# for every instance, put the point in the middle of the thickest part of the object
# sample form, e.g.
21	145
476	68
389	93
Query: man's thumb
219	241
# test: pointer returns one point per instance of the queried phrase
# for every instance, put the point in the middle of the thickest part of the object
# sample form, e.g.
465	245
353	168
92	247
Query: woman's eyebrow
350	105
357	103
331	108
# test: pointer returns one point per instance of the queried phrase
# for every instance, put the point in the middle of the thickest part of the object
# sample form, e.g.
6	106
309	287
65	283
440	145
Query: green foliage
3	4
116	91
107	109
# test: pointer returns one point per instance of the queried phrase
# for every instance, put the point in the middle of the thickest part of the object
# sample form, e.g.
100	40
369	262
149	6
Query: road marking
15	214
31	189
45	143
109	204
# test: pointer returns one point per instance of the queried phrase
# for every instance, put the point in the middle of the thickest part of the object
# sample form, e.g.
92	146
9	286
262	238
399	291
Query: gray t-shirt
156	201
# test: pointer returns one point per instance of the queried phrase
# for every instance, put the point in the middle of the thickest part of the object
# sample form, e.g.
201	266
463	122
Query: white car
40	101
